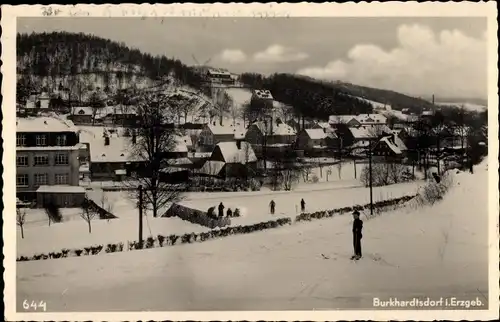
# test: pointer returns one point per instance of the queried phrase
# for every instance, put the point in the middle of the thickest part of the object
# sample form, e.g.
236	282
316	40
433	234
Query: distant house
262	94
109	115
214	133
310	139
272	135
371	119
349	120
112	157
388	148
216	75
230	159
358	120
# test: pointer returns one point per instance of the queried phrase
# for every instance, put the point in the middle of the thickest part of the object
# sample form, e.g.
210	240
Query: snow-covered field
439	251
73	232
254	207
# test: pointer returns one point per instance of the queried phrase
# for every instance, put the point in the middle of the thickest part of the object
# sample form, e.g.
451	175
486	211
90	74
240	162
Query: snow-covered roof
263	94
368	131
61	189
212	167
101	112
232	154
392	145
227	128
118	150
44	124
340	119
179	161
324	125
316	134
277	129
371	118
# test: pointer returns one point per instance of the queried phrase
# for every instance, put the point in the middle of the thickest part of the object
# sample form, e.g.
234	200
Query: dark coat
357	228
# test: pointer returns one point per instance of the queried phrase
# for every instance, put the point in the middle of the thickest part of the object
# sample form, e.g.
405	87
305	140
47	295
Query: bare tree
154	140
21	219
88	213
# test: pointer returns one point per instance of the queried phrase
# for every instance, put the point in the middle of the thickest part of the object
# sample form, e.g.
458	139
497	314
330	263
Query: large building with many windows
47	165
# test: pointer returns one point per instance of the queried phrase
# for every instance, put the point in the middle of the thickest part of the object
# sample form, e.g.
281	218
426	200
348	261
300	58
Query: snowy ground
39	237
73	232
434	252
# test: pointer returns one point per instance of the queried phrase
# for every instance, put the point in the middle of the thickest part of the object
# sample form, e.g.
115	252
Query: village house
112	156
108	115
221	76
317	142
216	132
388	149
357	120
274	136
231	159
47	165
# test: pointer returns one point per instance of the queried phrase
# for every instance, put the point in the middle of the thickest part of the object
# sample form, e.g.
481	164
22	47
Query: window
62	159
61	140
41	179
41	160
22	180
20	140
41	140
22	160
62	178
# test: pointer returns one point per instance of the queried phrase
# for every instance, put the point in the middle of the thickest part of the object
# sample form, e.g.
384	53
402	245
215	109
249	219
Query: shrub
78	252
161	239
110	248
315	179
150	242
173	239
120	247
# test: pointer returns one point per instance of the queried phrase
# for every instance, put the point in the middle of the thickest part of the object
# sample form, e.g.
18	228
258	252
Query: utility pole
140	215
370	167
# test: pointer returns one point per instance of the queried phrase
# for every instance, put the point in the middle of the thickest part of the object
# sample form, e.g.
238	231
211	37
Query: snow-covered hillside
468	106
439	251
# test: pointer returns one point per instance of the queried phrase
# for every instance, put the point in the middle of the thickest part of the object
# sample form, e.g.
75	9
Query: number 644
34	305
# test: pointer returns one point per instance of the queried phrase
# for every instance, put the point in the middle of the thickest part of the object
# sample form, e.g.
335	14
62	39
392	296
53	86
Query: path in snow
435	251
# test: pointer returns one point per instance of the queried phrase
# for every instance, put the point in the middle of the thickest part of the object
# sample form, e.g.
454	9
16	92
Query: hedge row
196	216
340	211
162	241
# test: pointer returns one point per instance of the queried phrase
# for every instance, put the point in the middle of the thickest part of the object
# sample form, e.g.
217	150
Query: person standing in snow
272	204
221	210
357	227
302	205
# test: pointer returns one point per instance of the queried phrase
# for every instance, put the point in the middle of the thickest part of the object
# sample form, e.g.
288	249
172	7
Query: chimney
134	137
213	123
106	140
238	144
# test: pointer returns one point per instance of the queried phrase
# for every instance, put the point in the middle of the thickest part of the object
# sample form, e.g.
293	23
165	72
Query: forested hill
56	55
340	98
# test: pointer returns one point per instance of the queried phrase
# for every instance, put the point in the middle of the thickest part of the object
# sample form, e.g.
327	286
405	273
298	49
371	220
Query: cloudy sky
418	56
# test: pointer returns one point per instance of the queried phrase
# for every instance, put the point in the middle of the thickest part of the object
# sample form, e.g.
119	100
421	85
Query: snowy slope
468	106
436	251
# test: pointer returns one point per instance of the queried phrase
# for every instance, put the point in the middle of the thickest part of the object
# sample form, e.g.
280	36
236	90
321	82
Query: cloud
233	56
424	63
279	54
